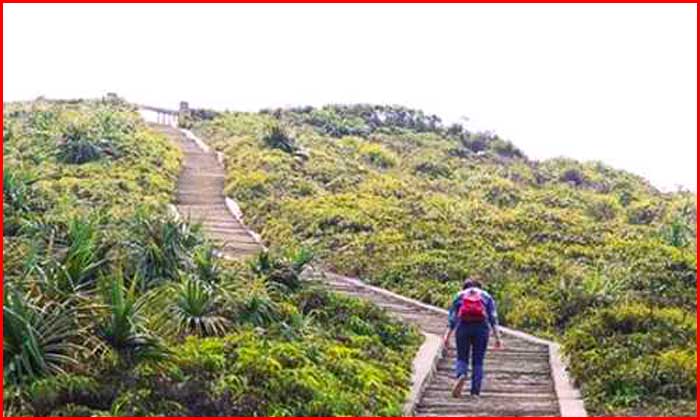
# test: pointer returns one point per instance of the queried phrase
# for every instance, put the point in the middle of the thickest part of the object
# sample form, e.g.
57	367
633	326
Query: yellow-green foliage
377	155
113	307
141	168
392	196
634	354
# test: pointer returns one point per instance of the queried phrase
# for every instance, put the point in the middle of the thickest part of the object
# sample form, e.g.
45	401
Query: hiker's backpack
472	308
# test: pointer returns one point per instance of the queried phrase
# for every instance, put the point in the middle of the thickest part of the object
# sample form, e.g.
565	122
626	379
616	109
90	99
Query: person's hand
499	344
445	345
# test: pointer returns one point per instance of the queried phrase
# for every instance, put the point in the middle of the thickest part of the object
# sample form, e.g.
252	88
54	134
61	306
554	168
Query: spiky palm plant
85	255
73	263
19	198
163	246
277	137
206	264
195	308
300	258
677	233
39	338
123	328
262	263
257	306
17	190
86	142
282	271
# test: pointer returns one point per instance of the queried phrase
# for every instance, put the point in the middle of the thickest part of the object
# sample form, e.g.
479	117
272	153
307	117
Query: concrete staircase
200	198
519	379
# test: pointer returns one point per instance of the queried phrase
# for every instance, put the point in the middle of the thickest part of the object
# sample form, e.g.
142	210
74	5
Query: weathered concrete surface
200	197
423	368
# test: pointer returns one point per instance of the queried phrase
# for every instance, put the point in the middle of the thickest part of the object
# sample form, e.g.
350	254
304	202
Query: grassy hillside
113	306
591	256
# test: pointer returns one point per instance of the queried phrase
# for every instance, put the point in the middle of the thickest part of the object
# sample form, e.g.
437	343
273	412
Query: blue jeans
472	338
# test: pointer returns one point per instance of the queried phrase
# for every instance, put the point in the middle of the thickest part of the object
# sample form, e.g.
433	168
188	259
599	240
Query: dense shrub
278	138
377	155
603	209
82	143
434	169
573	176
643	213
629	353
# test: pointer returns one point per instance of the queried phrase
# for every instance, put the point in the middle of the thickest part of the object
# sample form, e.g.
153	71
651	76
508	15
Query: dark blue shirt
489	304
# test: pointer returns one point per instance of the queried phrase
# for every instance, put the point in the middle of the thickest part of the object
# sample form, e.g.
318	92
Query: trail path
526	378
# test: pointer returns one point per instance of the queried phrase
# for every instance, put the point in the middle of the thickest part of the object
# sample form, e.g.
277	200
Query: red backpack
472	308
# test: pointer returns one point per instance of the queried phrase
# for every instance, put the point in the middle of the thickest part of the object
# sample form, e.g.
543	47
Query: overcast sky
615	83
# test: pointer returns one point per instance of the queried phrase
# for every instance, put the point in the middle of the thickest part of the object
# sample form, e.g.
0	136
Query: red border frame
394	2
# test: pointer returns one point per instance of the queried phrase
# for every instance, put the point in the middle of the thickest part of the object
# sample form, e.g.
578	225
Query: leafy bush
573	176
434	169
124	325
18	194
48	394
502	194
80	144
39	339
627	354
643	213
161	247
506	149
195	307
278	138
377	155
677	233
604	209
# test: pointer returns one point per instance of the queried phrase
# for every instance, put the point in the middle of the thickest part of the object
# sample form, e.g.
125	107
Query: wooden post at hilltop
183	114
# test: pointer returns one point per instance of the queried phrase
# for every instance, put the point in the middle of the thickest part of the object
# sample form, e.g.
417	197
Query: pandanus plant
39	338
124	325
163	245
195	307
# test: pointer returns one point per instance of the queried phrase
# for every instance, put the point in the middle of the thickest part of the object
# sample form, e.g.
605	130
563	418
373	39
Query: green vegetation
591	256
115	307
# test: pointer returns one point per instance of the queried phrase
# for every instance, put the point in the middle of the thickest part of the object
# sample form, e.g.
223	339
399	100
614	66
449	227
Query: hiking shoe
457	388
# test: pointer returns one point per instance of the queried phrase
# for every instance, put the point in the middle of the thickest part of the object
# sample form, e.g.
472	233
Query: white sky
615	83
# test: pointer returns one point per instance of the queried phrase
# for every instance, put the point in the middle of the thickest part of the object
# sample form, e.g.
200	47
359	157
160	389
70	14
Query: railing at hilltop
164	116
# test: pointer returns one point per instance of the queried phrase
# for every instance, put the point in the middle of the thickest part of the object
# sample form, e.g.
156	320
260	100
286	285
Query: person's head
472	281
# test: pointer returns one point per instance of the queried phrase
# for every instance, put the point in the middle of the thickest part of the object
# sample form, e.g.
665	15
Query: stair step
512	413
490	407
487	397
489	386
498	363
511	355
234	228
214	196
194	200
232	239
201	172
442	379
